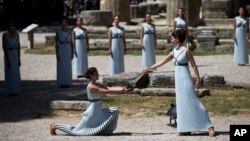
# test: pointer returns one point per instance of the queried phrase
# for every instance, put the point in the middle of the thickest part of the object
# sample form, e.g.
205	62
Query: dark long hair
90	72
246	14
183	14
180	34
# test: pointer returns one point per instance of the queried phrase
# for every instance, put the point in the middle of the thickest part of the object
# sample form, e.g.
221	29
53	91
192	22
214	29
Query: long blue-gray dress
95	120
148	53
241	45
64	65
12	74
117	48
191	114
81	60
181	24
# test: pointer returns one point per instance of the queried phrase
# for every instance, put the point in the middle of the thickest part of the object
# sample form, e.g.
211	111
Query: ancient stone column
117	7
193	12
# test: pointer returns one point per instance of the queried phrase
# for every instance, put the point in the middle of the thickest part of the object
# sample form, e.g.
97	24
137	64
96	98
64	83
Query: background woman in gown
64	55
148	42
12	61
117	47
241	37
180	22
80	41
95	120
192	115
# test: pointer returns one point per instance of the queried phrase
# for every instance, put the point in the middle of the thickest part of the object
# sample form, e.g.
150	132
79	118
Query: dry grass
220	102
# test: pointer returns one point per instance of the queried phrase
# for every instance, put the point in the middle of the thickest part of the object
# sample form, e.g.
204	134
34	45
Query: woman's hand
142	46
125	90
146	71
198	84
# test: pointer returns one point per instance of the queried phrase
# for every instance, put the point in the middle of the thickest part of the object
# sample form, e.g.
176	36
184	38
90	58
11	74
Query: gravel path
21	117
129	128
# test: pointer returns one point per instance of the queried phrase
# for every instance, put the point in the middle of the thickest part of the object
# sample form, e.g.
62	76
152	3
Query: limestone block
117	7
97	17
169	92
123	79
216	9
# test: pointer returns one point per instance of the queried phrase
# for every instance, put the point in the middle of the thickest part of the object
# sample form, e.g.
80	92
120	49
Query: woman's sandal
52	129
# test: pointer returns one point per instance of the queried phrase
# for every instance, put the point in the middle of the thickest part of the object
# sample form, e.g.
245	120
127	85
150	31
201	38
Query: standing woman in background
12	62
80	43
148	42
181	23
117	47
241	37
64	55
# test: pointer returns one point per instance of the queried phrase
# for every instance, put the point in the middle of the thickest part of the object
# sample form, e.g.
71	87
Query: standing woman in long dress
12	62
95	120
148	42
64	55
117	47
192	115
241	37
80	41
180	22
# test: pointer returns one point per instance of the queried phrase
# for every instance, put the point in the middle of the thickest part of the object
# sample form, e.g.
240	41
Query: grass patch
41	48
221	102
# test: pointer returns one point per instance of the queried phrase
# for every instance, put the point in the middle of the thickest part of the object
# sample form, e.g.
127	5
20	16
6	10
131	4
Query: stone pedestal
207	39
117	7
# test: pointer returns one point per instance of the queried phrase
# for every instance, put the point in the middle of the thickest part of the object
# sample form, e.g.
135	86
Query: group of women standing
192	115
75	45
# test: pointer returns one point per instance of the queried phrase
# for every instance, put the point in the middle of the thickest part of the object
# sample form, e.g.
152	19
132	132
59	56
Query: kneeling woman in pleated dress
95	120
192	115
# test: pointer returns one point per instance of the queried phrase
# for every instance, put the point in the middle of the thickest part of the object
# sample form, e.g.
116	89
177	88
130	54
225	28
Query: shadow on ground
35	98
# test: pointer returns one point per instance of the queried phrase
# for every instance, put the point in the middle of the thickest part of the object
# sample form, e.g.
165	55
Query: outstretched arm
160	63
196	72
108	90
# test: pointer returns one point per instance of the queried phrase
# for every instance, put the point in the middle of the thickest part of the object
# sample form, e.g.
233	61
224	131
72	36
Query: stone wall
216	9
153	8
97	17
117	7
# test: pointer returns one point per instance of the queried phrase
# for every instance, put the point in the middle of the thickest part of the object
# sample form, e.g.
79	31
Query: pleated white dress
191	114
241	44
12	74
64	65
148	53
95	120
81	60
117	58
